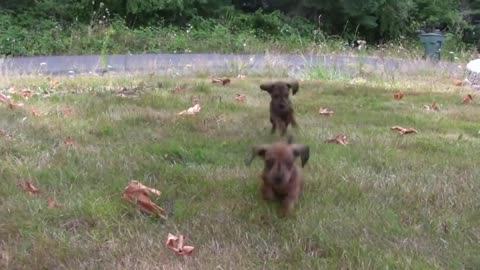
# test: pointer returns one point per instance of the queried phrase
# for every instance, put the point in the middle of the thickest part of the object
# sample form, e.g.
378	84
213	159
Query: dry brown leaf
53	204
7	100
195	100
26	93
240	98
223	81
179	90
34	112
433	107
191	111
53	84
398	95
125	93
136	192
14	106
458	82
67	111
69	141
175	243
404	131
325	111
3	133
4	99
467	99
339	139
28	187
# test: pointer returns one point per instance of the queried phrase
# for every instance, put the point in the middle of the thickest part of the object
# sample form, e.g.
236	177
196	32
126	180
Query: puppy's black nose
278	179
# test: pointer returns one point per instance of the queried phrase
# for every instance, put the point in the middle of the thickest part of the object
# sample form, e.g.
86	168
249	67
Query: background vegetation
47	27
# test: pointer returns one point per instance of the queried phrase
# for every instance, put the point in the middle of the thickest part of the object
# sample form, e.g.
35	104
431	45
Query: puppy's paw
287	208
267	193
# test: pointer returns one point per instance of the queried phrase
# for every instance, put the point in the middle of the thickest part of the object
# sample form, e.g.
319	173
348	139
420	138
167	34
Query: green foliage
32	27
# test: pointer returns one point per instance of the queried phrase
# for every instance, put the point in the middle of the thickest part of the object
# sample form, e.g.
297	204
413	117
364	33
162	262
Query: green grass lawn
385	201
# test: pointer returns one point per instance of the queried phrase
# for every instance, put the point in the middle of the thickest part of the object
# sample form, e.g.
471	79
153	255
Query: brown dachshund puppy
281	111
281	177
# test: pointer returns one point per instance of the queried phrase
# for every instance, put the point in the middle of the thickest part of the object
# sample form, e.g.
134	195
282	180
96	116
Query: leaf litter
140	194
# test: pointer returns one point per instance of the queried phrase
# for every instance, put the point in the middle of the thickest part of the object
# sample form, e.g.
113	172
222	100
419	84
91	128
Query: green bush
46	27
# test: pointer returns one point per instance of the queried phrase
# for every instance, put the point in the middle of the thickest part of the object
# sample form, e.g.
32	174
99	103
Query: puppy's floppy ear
294	86
303	151
266	87
257	150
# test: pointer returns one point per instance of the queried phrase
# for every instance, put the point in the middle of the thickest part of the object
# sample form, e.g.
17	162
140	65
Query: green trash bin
432	42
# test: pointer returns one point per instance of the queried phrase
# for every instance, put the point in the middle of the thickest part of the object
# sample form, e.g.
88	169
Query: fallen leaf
433	107
136	192
339	139
467	99
398	95
403	131
53	84
67	111
175	243
5	99
325	111
191	111
195	100
458	82
179	90
223	81
26	93
34	112
127	93
28	187
14	106
69	141
53	204
240	98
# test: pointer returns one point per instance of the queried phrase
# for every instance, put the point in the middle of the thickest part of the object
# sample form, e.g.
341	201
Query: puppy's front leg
267	192
287	205
283	127
274	126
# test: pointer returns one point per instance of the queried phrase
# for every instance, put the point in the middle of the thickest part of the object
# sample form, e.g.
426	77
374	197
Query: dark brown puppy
281	110
281	177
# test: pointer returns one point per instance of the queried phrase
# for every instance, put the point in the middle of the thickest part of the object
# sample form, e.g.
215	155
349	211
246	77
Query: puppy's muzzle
278	179
283	107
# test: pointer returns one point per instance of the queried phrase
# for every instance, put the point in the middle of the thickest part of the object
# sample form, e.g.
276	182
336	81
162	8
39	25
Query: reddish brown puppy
281	110
281	178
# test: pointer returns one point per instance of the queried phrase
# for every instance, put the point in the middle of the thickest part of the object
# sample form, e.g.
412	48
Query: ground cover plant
375	199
